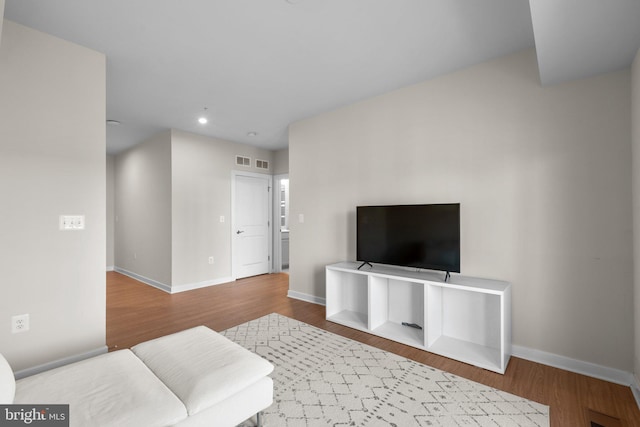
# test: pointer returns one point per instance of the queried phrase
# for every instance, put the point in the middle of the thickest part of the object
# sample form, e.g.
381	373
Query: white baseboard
173	289
635	389
613	375
206	283
145	280
111	268
60	362
306	297
605	373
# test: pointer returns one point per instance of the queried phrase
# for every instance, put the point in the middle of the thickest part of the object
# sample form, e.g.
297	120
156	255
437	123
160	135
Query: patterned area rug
322	379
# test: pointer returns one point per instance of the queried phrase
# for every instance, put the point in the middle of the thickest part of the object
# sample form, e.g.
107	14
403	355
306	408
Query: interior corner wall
143	210
1	18
635	138
111	164
201	189
543	175
281	162
52	163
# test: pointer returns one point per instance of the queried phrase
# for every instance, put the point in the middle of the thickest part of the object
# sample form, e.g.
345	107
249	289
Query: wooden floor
137	312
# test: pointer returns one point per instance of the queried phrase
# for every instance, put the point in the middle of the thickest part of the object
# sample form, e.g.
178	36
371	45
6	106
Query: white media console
465	318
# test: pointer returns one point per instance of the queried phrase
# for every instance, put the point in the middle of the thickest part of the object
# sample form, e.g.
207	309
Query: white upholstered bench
191	378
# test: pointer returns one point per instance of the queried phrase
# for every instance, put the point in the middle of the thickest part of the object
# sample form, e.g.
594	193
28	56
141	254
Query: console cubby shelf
466	318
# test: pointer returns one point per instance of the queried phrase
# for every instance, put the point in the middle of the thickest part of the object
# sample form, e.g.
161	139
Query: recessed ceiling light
203	118
113	123
252	134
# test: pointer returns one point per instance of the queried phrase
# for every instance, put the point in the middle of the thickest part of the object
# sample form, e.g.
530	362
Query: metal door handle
239	231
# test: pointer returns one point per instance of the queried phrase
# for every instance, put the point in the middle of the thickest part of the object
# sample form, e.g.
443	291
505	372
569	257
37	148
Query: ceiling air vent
243	161
262	164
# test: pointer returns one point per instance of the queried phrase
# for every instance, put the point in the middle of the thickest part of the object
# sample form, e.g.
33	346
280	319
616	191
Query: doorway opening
281	230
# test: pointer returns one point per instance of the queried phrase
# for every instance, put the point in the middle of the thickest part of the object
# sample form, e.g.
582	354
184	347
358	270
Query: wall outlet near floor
19	323
210	260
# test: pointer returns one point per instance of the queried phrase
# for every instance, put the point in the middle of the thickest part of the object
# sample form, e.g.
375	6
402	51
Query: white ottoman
114	389
218	381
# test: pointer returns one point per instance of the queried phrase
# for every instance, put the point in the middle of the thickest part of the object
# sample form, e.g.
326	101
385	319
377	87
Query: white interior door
251	224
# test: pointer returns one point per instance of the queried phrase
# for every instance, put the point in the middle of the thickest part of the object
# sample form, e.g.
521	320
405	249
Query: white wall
635	134
52	162
143	209
1	18
111	214
281	162
170	194
201	188
543	175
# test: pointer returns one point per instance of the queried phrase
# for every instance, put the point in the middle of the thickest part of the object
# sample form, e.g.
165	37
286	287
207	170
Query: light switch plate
71	222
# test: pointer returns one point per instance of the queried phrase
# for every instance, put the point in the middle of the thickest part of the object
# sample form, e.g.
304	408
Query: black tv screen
421	236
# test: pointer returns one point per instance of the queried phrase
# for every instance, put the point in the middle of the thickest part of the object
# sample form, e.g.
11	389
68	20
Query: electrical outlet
210	260
19	323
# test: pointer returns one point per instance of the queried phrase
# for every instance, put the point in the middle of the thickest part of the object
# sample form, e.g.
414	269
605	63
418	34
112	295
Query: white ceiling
259	65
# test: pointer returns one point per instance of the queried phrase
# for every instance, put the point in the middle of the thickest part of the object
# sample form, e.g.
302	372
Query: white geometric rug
322	379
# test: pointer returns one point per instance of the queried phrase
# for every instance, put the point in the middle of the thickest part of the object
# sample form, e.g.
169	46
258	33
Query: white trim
635	389
613	375
605	373
145	280
174	289
191	286
306	297
111	268
60	362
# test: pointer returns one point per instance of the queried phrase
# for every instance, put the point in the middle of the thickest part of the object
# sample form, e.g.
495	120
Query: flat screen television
420	236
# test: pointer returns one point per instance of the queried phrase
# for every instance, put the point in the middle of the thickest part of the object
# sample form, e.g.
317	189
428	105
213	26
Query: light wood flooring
137	312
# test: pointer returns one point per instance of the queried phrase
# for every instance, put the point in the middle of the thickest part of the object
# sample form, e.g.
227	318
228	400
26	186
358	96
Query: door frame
269	179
